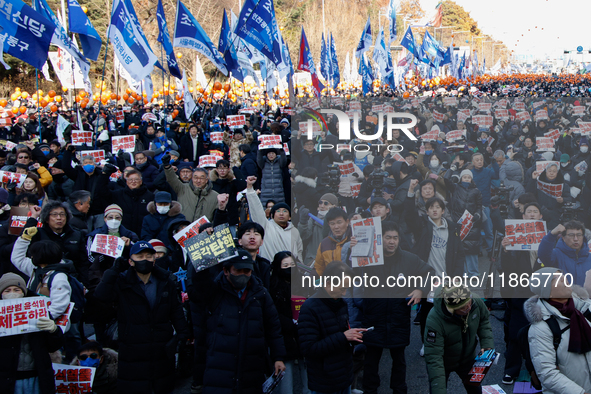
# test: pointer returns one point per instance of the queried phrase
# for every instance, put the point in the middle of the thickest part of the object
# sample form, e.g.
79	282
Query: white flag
190	105
62	125
45	71
199	75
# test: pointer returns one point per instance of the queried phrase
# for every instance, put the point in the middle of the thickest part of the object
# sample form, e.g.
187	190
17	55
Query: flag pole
101	87
162	60
38	117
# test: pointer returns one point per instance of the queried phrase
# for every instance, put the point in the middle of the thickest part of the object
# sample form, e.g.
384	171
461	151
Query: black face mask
142	166
59	178
285	273
143	266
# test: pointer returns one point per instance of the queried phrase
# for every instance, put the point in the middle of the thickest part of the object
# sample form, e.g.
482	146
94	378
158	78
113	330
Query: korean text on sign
20	315
270	141
524	234
81	137
108	245
70	379
13	177
190	231
124	142
466	221
206	250
235	121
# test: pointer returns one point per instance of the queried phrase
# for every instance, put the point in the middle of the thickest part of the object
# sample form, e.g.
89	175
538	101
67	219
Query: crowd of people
142	323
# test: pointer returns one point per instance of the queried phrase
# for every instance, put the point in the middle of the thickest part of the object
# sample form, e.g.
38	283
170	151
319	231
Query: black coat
42	343
232	184
146	337
83	181
329	356
239	335
306	193
186	148
462	199
281	294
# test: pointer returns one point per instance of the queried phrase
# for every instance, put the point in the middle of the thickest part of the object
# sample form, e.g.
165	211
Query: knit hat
174	153
466	172
456	297
158	245
331	198
163	197
113	208
11	279
584	141
280	205
544	288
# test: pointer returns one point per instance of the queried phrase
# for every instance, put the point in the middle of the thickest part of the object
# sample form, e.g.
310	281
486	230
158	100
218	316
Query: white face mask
563	164
434	163
584	149
113	224
163	210
11	296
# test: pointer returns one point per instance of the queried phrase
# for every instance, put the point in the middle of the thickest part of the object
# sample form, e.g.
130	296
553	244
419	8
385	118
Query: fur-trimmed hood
534	312
111	360
175	208
214	176
307	181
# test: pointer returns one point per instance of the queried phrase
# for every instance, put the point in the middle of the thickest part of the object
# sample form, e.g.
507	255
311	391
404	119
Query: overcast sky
565	24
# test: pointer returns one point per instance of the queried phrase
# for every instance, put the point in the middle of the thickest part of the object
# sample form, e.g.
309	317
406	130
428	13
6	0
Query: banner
123	142
108	245
81	138
550	189
206	250
484	107
455	135
208	161
20	315
67	70
544	144
554	134
270	141
235	121
467	222
541	165
579	110
541	114
80	23
524	235
71	379
190	231
372	228
450	101
484	121
190	106
522	116
438	117
10	177
430	136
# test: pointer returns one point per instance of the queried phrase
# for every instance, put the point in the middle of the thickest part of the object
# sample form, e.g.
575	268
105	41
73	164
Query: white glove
46	324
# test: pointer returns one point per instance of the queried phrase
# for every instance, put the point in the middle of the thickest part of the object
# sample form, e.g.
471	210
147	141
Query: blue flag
306	63
164	40
26	35
366	74
430	46
79	23
257	25
324	61
136	22
391	12
188	33
365	40
228	50
408	41
336	76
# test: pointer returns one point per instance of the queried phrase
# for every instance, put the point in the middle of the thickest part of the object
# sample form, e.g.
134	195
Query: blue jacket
483	180
559	255
156	225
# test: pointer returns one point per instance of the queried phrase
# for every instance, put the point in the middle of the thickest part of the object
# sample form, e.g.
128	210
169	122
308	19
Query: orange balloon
3	103
130	100
175	113
82	94
14	96
51	93
128	90
22	109
53	108
406	95
64	89
58	99
78	99
83	104
14	110
125	96
227	87
146	101
43	103
24	95
113	96
217	85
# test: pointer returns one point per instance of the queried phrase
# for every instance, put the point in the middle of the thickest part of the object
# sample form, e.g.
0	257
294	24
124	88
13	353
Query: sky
564	22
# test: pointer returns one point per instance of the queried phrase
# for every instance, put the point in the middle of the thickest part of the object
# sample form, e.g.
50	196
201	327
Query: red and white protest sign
72	379
270	141
81	137
438	117
313	104
10	145
355	189
287	111
463	114
316	129
249	110
541	114
346	168
466	221
377	108
450	101
541	165
190	231
355	106
124	142
519	106
10	177
430	136
286	148
550	189
485	121
217	137
336	101
208	161
20	315
524	235
582	166
579	110
217	153
120	116
502	103
484	107
97	154
585	128
18	219
235	121
368	231
388	109
537	104
108	245
502	113
455	135
554	134
64	319
544	144
5	122
353	113
398	157
414	102
522	116
296	305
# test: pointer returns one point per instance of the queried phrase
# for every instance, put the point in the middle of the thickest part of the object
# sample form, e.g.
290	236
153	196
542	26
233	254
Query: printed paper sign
524	234
5	122
542	114
71	379
108	245
208	161
483	120
217	137
501	103
20	315
450	101
502	113
81	137
437	116
554	134
585	127
190	231
217	153
484	107
414	102
537	104
544	144
355	189
286	148
466	221
354	106
582	166
249	110
377	248
97	154
334	101
270	141
296	305
64	319
541	165
519	106
13	177
10	145
522	116
346	168
124	142
18	219
377	108
342	147
463	115
455	135
430	136
579	110
290	111
120	116
388	109
235	121
398	157
206	250
550	189
316	129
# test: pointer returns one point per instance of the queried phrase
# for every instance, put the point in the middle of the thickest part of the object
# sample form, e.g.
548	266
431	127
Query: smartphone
369	329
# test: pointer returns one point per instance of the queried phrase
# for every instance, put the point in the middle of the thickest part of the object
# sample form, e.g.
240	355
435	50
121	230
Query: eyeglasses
57	215
321	202
23	157
83	357
133	180
573	235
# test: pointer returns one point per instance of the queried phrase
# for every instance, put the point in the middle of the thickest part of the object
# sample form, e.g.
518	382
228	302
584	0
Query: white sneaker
422	351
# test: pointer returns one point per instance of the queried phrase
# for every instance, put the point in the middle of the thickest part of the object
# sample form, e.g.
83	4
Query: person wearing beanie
238	138
566	368
583	153
25	365
162	256
454	327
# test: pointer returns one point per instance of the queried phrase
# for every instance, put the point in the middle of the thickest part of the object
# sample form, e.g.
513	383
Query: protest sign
286	148
334	101
544	144
124	142
72	379
5	122
450	101
313	104
541	165
190	231
519	106
582	166
502	113
414	102
455	135
291	111
249	110
97	154
206	250
119	116
484	107
303	127
354	106
355	189
541	114
208	161
270	141
550	189
537	104
585	128
342	147
235	121
524	234
377	108
484	121
463	115
18	218
388	109
12	177
398	157
430	136
108	245
81	137
64	319
217	153
579	110
10	145
374	242
296	305
466	221
554	134
20	315
438	117
501	103
522	116
346	168
216	137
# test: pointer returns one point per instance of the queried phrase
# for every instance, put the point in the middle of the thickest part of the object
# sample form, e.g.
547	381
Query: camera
502	199
570	211
376	181
331	178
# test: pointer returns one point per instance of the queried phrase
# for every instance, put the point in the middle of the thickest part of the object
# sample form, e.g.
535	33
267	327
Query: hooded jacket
195	202
156	225
329	250
559	255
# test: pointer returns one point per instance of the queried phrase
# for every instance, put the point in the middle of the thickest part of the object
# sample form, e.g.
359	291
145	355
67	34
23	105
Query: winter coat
550	202
447	348
60	190
426	172
79	221
306	193
149	174
249	167
160	147
280	291
460	200
272	179
186	148
41	344
146	337
195	203
318	160
234	144
311	232
510	169
329	356
238	363
568	260
559	371
105	378
230	185
83	181
329	250
156	225
483	178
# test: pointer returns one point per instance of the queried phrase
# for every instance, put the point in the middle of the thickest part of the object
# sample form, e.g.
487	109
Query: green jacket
447	348
195	202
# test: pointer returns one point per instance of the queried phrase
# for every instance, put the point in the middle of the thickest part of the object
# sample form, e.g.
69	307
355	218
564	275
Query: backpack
76	296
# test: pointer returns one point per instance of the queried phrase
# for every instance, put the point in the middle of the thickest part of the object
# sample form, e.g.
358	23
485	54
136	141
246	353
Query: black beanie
277	206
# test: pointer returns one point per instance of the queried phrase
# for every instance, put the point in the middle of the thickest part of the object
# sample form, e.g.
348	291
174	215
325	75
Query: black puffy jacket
462	199
146	336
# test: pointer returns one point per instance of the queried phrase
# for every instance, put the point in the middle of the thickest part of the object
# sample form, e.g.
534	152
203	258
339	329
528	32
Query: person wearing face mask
25	365
583	154
162	211
149	171
105	360
553	176
430	167
162	145
85	177
149	313
238	302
